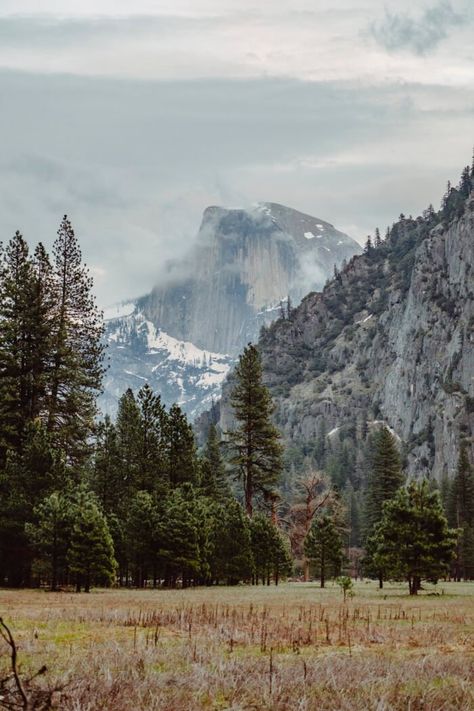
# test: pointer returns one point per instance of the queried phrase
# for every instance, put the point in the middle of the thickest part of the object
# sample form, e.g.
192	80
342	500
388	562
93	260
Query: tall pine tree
77	348
256	451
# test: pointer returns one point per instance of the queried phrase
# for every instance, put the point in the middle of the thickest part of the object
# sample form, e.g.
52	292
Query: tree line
135	501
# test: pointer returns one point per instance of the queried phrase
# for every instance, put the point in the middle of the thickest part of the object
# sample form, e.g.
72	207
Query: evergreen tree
127	426
460	513
323	546
51	537
107	482
141	531
378	238
181	448
270	550
179	537
152	441
77	349
465	184
256	451
213	475
28	476
24	342
233	559
385	478
412	541
91	553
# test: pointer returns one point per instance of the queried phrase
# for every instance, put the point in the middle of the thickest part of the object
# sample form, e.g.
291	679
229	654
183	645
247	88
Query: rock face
245	263
183	336
390	339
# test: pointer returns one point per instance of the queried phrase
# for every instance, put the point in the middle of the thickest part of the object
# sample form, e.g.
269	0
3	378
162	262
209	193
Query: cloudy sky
133	116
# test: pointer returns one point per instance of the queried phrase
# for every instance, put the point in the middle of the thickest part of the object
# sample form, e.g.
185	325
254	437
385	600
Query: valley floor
249	648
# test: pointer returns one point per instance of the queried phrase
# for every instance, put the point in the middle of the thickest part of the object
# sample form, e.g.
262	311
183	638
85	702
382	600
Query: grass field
292	647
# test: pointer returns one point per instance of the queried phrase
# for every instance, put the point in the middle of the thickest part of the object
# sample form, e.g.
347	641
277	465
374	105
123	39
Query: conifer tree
77	348
91	553
256	450
140	536
127	426
179	536
107	482
51	537
152	436
181	448
213	475
460	511
323	545
385	478
233	559
24	341
412	541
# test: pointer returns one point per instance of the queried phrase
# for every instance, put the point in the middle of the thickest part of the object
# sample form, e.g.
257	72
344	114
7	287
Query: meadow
294	646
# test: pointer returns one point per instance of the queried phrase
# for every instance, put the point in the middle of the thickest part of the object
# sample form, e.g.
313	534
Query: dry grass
291	647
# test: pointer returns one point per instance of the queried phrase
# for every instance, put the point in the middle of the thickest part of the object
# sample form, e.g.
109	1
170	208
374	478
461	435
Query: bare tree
313	493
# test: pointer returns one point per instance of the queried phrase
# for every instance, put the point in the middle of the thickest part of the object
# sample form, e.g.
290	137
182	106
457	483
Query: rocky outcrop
390	339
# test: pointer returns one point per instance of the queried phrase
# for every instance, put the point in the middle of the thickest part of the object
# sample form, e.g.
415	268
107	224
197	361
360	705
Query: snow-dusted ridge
177	370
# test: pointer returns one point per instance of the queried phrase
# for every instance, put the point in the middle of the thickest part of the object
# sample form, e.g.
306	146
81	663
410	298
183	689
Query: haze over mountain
245	265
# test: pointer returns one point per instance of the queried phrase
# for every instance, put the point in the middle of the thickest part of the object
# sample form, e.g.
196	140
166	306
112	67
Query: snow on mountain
179	371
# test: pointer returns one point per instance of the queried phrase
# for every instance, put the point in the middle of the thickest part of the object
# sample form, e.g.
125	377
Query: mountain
389	340
243	265
243	268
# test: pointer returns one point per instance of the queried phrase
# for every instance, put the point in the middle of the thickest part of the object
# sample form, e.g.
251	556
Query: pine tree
179	537
270	550
127	426
465	184
152	434
385	478
106	476
51	537
213	475
24	341
140	536
413	541
77	348
323	545
91	553
28	476
233	559
256	451
460	512
378	238
181	448
385	475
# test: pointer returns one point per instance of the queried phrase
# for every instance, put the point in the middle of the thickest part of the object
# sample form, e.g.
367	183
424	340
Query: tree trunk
380	580
306	570
249	494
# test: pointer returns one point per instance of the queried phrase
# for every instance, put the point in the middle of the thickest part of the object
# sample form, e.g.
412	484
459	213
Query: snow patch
309	235
364	320
333	431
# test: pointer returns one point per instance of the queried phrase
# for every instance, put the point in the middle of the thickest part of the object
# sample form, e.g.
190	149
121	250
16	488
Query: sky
133	117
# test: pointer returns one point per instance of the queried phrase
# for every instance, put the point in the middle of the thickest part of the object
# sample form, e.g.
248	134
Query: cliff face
244	264
183	337
390	339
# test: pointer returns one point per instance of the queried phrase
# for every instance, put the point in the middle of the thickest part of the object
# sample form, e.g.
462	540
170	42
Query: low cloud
422	35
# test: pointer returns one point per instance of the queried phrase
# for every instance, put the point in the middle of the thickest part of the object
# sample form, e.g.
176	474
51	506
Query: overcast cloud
133	117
